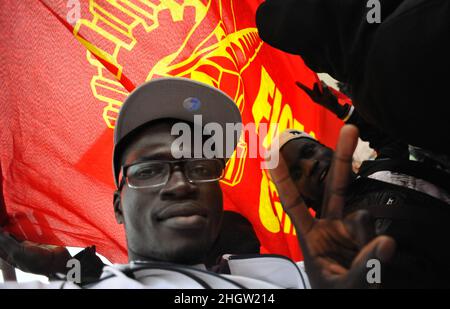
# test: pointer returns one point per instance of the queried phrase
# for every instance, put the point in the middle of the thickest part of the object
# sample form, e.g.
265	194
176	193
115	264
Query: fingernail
384	251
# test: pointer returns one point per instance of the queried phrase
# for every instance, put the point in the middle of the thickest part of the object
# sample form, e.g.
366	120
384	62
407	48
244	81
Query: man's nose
178	187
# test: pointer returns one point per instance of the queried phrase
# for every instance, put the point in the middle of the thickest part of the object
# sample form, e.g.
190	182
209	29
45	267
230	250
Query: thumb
360	225
380	249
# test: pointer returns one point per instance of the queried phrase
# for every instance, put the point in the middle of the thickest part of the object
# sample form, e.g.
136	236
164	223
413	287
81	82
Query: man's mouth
183	216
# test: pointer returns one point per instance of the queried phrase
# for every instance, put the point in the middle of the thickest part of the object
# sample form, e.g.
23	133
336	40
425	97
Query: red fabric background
56	145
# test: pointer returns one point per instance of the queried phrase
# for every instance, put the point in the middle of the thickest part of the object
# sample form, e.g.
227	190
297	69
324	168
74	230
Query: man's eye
307	152
201	170
148	172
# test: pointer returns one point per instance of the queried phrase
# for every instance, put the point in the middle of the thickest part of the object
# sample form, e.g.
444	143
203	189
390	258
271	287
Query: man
336	247
310	177
171	208
395	193
393	53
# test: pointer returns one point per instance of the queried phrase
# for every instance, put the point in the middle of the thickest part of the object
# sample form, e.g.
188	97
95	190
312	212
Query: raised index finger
290	197
340	173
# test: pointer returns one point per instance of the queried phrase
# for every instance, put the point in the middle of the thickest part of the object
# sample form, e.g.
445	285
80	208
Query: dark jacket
416	220
397	69
383	144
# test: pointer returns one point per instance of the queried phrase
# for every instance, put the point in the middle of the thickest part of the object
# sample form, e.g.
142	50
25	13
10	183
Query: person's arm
41	259
48	260
28	256
326	98
7	270
32	257
336	249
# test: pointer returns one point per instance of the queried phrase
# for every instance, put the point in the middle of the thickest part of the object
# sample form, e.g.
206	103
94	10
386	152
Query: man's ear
118	207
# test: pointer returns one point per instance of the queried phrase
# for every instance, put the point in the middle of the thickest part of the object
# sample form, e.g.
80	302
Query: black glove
326	98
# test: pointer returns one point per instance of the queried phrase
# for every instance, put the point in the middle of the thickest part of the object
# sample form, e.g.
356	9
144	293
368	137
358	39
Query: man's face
308	162
176	222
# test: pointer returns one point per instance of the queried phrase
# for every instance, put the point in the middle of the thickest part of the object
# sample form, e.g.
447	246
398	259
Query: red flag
68	65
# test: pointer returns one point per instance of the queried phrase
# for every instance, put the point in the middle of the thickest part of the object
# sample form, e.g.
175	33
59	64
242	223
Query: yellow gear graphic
221	55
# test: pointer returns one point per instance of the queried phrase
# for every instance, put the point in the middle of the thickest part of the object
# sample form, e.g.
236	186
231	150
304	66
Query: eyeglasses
155	173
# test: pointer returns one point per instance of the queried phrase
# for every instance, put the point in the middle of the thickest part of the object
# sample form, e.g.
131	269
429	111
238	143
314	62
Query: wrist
346	112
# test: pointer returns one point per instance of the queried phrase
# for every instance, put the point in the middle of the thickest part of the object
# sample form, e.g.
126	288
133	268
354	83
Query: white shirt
257	272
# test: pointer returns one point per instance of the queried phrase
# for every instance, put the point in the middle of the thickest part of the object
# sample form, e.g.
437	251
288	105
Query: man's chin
187	254
189	247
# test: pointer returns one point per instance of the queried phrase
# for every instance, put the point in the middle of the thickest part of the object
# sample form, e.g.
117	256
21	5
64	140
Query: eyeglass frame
171	166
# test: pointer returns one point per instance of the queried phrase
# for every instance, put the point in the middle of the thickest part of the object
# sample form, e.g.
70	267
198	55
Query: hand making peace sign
335	248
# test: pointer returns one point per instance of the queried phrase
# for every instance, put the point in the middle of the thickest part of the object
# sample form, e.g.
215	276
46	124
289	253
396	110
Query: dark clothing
416	220
383	144
236	236
91	266
397	69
